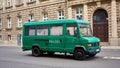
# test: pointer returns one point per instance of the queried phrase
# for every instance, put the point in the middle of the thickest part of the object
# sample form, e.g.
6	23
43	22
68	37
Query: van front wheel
92	55
79	54
36	51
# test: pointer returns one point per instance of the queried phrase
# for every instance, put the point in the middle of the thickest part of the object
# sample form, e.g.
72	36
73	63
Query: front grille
95	44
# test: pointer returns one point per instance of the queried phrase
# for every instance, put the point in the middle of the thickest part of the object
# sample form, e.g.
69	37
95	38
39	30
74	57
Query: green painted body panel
63	43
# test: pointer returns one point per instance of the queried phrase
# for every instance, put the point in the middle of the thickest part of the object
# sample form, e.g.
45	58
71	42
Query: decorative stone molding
8	7
1	8
98	4
18	5
60	7
19	28
44	10
19	14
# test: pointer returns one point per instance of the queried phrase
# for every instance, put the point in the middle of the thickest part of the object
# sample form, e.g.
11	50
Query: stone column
25	3
37	1
14	3
114	38
70	12
4	4
85	10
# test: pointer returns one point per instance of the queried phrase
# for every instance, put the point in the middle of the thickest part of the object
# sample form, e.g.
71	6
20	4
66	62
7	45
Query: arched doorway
100	24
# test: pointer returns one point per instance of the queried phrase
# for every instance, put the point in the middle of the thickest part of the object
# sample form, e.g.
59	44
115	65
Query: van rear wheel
36	51
79	54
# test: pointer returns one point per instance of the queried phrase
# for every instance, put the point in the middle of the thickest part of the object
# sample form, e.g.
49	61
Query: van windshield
85	30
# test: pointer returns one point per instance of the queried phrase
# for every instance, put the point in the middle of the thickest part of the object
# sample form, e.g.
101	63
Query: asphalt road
14	57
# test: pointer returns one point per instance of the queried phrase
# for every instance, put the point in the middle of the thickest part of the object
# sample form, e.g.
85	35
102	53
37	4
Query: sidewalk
110	47
12	45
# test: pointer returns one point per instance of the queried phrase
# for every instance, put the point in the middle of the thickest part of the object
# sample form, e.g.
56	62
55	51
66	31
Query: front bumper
93	51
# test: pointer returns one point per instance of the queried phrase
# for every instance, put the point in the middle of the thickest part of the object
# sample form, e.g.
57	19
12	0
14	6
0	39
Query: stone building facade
103	15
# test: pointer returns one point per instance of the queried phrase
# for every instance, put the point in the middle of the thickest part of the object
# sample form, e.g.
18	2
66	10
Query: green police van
64	36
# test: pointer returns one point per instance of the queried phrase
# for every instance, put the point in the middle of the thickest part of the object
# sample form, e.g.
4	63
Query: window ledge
42	0
1	8
19	27
18	5
9	28
7	7
31	2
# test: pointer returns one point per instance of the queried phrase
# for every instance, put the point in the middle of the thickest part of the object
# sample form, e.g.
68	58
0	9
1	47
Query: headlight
89	45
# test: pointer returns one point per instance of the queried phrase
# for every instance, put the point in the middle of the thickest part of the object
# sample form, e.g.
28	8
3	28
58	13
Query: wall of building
52	7
37	8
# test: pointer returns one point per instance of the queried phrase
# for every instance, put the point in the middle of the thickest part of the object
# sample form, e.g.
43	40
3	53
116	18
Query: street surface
14	57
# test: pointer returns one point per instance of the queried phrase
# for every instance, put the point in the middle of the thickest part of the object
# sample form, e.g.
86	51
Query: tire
79	54
36	52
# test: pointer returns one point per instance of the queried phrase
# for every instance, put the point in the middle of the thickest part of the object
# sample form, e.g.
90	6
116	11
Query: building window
0	37
79	12
20	2
9	2
1	5
31	17
56	30
9	23
0	24
9	37
30	31
72	30
31	0
19	21
45	16
61	14
42	30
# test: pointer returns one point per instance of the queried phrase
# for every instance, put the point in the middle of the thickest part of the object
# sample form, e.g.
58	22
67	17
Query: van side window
29	30
42	30
71	30
56	30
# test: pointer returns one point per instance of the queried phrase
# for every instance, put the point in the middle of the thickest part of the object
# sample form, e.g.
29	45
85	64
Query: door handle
46	43
60	40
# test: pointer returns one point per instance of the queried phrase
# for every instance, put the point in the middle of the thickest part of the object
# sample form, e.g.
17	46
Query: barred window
56	30
29	30
72	30
42	30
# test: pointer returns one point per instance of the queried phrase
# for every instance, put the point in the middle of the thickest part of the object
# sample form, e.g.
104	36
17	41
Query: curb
2	45
110	47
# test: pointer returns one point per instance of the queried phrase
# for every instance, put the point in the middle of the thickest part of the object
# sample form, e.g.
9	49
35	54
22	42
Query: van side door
56	41
71	38
42	38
